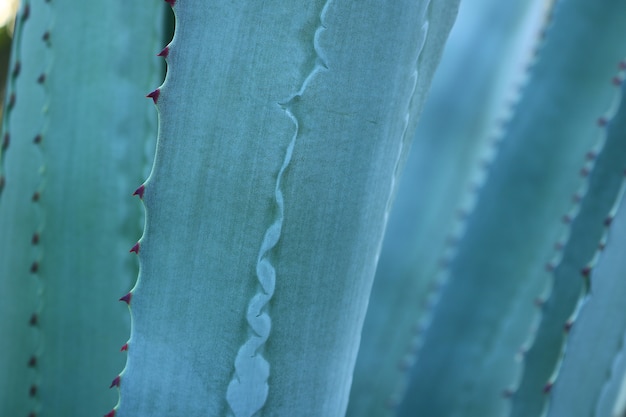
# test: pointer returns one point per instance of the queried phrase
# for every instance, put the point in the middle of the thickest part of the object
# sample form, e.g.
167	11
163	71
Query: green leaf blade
224	140
486	309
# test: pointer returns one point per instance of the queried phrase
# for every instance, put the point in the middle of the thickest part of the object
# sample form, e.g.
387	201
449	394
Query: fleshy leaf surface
283	127
79	129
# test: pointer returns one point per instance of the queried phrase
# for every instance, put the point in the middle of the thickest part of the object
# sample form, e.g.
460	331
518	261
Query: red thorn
110	414
164	52
507	393
33	320
33	390
550	267
547	388
558	246
576	198
124	347
126	298
154	95
171	2
16	68
32	362
116	382
139	191
617	81
622	65
46	36
567	219
34	267
41	79
35	239
5	141
539	302
608	221
586	271
32	414
2	182
36	196
601	246
37	139
568	325
135	248
584	171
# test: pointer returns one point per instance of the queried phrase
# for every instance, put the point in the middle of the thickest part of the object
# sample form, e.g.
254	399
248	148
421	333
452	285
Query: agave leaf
20	178
487	308
597	197
282	129
470	90
598	328
78	132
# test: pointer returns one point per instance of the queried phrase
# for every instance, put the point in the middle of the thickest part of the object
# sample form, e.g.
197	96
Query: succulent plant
269	181
76	137
282	128
497	327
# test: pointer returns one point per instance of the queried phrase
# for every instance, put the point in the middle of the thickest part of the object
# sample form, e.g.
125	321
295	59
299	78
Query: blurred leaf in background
8	9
